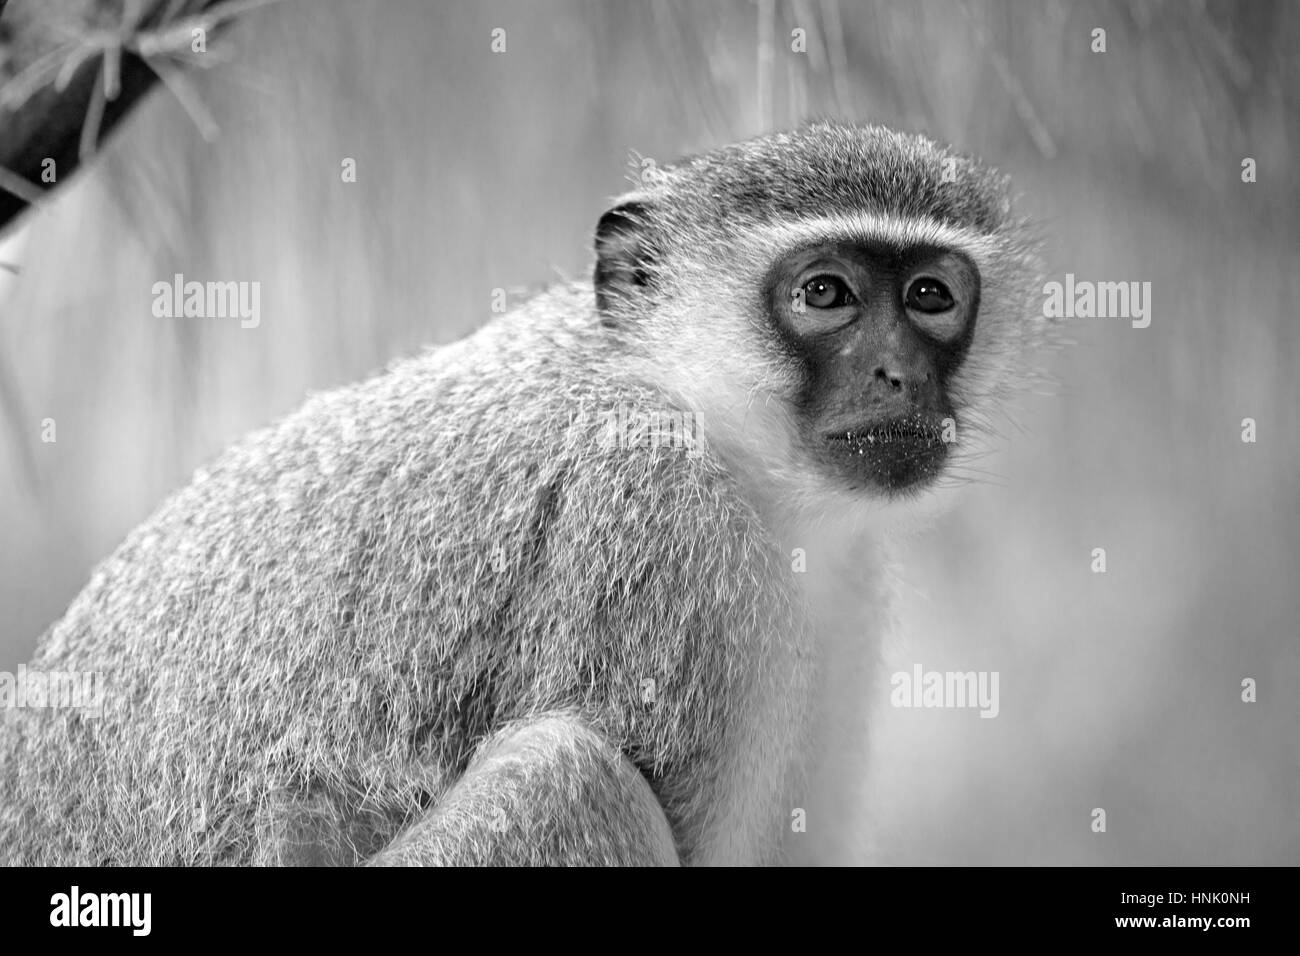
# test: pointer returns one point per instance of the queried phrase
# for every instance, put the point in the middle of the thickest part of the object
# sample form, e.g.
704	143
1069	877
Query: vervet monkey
570	590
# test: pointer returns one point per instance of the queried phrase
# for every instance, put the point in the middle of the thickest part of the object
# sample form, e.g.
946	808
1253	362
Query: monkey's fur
450	566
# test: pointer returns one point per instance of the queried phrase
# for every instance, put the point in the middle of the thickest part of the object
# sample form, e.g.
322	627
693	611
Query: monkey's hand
550	791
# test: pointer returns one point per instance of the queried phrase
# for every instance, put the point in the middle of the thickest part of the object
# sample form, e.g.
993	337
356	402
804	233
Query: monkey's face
876	332
845	308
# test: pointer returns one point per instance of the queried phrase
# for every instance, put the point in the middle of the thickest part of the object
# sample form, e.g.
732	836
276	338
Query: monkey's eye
826	292
929	295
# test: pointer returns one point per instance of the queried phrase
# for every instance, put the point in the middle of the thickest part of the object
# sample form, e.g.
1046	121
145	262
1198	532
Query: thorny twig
161	48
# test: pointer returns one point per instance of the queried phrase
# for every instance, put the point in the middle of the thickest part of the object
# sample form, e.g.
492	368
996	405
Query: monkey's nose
892	377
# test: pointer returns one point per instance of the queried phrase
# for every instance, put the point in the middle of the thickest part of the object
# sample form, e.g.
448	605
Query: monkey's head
846	302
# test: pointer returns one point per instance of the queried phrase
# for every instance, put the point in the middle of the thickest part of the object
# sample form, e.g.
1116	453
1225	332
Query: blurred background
477	170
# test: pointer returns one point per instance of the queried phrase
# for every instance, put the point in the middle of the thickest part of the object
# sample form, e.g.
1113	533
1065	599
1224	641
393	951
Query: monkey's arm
547	792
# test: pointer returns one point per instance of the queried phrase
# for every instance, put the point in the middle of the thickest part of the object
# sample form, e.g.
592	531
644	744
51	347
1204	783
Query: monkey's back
308	641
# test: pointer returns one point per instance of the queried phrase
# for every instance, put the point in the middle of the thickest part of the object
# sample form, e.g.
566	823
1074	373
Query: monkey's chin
901	457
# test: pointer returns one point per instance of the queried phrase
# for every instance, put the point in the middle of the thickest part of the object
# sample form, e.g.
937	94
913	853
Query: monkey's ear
624	253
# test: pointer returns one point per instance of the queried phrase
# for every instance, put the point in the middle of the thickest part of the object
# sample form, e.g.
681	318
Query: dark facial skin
878	331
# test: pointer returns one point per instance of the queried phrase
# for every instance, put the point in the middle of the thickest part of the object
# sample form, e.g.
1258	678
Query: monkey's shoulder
470	490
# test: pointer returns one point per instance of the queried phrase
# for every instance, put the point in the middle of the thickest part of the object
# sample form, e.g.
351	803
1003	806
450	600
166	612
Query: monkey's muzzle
894	454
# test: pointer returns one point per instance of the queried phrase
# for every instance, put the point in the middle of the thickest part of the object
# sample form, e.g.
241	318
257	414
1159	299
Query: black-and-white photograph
609	433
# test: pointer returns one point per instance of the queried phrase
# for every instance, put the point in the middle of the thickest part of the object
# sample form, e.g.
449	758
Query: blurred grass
478	171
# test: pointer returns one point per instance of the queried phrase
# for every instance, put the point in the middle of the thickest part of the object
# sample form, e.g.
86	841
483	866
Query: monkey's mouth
898	431
893	454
